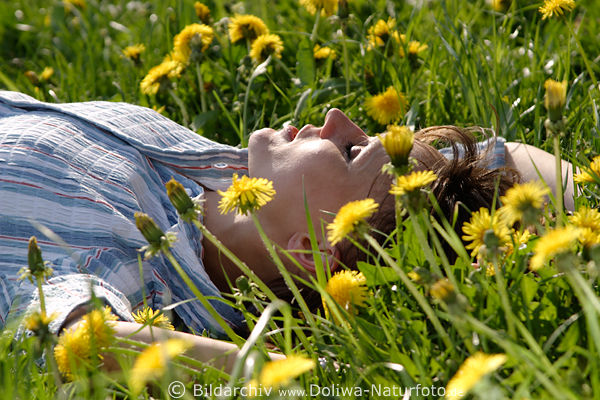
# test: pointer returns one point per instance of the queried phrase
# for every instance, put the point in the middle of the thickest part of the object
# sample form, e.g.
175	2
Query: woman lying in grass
74	175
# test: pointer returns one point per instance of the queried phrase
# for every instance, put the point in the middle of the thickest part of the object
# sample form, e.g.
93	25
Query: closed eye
353	150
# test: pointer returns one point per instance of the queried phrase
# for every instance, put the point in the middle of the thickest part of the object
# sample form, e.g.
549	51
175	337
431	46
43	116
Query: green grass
481	68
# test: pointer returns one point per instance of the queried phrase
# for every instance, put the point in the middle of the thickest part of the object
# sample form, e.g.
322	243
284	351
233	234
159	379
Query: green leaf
377	275
305	61
570	339
528	288
375	331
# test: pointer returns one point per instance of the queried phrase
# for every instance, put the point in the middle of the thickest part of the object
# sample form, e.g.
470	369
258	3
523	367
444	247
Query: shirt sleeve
491	149
65	293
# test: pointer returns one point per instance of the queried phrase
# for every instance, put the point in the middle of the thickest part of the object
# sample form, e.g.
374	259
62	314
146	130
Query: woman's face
335	164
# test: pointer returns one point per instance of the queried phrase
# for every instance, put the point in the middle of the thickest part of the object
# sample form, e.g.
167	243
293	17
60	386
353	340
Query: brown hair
464	184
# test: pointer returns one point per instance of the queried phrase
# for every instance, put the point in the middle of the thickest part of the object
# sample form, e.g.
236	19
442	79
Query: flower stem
284	272
184	113
415	292
201	88
239	263
250	273
559	186
501	285
313	35
41	294
346	63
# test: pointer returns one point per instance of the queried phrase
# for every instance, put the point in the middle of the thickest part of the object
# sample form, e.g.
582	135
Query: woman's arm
217	353
534	164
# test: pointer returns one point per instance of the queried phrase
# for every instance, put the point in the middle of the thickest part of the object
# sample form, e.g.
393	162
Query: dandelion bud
33	77
146	225
37	268
501	5
185	206
157	240
34	257
398	142
555	99
491	241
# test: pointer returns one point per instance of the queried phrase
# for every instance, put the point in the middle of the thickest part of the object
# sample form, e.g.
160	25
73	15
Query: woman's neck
238	234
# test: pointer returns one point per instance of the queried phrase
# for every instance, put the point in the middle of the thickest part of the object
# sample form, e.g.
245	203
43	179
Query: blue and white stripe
82	170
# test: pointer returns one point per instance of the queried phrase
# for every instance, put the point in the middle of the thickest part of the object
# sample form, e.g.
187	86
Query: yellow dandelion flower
397	142
589	237
202	12
350	218
379	34
442	289
46	74
247	27
591	175
524	202
471	371
99	326
415	276
321	53
72	351
160	110
38	323
386	107
556	7
74	345
480	224
246	194
133	52
265	46
414	48
348	289
194	37
518	239
552	243
588	219
152	362
148	316
555	98
158	76
280	372
327	7
407	184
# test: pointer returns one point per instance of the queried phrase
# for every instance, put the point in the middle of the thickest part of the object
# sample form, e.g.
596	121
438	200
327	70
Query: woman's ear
300	248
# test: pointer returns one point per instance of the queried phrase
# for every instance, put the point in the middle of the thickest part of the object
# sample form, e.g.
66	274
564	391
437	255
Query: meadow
521	324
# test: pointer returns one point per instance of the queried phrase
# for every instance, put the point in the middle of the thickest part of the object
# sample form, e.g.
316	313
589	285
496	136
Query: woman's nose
338	125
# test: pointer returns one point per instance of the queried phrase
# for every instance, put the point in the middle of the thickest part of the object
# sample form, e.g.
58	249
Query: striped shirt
82	170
